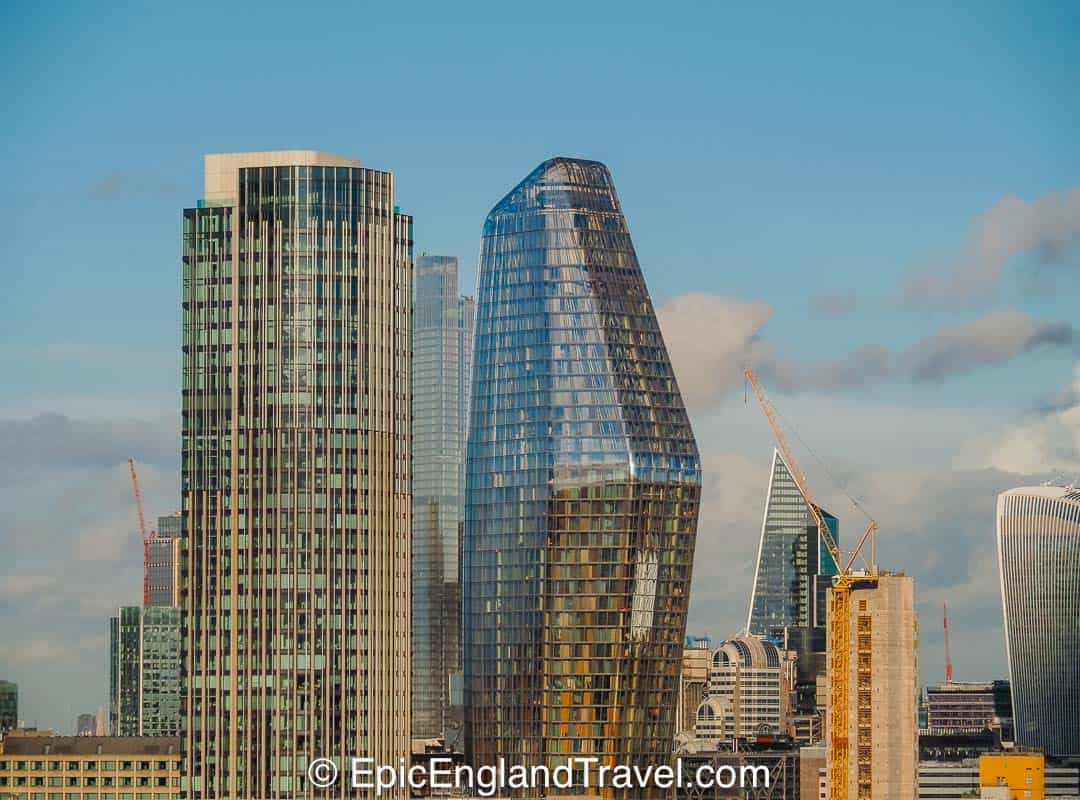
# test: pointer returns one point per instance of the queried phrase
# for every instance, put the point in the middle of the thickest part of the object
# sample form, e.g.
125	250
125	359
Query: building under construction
872	654
883	690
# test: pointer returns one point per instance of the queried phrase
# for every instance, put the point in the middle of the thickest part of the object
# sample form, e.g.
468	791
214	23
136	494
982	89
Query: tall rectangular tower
883	690
9	705
441	369
165	557
296	470
144	671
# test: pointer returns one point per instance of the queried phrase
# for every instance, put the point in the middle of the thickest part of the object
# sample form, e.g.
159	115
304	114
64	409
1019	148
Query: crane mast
146	533
839	635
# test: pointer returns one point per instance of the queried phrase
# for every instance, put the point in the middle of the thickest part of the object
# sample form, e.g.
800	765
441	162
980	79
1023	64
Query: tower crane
148	534
839	635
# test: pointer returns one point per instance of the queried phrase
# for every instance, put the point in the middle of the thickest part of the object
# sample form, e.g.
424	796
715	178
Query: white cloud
1045	229
711	338
1048	442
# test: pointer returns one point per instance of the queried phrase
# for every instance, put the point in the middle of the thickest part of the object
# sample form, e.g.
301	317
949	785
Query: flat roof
15	744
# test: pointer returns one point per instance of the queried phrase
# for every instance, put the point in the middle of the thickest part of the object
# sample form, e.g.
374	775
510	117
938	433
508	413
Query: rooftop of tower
1070	492
220	170
559	173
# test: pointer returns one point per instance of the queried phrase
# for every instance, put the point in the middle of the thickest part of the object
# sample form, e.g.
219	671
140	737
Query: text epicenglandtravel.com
585	772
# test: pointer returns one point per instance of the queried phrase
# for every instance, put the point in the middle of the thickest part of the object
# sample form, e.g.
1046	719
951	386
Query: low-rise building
953	780
1022	774
970	708
35	767
693	682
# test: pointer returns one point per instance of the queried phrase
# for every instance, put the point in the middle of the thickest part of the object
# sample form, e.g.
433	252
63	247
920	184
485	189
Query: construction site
871	726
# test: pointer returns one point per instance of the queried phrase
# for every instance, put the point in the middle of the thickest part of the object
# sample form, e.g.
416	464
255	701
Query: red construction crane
948	659
148	534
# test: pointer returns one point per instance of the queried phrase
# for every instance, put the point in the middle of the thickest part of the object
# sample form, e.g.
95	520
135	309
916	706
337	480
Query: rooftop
16	743
221	170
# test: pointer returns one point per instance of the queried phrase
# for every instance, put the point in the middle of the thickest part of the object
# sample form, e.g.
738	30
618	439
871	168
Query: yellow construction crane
840	598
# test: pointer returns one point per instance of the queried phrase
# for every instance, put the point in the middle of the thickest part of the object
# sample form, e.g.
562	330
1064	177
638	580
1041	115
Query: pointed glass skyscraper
794	568
582	487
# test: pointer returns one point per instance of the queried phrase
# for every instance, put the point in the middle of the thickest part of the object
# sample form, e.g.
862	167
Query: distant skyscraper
9	705
295	473
582	487
794	568
1038	539
441	369
86	724
144	671
165	561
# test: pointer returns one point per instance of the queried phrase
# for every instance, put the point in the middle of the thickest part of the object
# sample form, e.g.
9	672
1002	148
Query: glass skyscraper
295	473
794	568
1038	539
9	705
441	369
582	487
144	671
165	555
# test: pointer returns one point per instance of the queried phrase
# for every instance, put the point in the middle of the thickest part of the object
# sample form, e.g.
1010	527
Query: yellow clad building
37	767
1022	773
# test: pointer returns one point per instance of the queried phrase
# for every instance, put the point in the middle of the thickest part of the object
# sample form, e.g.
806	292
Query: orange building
1022	773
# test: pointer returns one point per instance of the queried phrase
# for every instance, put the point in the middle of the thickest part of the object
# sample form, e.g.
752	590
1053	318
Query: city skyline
788	200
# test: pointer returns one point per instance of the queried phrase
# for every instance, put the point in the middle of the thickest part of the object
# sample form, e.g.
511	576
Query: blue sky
763	156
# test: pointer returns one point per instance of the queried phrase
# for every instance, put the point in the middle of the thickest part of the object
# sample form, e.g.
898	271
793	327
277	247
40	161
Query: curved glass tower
582	487
1038	536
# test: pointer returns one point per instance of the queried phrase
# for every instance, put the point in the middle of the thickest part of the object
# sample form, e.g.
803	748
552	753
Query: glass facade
124	635
441	368
9	705
295	473
582	487
165	558
1038	538
794	568
144	671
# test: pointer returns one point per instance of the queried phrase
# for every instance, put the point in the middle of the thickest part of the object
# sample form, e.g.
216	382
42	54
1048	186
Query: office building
953	780
164	562
813	761
779	758
583	485
970	708
9	705
85	725
441	370
1038	539
144	671
791	583
693	683
47	767
295	472
883	691
794	568
1021	774
749	693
